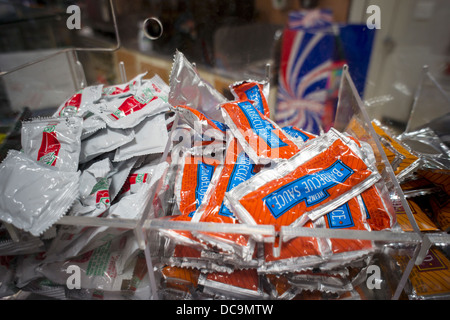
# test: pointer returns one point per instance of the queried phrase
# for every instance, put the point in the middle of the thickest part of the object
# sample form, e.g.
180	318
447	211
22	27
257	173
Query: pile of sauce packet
207	161
238	167
99	155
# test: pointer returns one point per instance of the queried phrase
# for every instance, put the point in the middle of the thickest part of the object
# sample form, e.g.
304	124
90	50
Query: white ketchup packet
150	136
54	142
76	104
34	196
94	197
127	112
104	141
124	89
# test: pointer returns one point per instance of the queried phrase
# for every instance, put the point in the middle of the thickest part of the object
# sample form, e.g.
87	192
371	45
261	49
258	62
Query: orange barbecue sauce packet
348	216
301	253
237	169
260	137
309	184
193	181
191	185
252	91
380	214
182	279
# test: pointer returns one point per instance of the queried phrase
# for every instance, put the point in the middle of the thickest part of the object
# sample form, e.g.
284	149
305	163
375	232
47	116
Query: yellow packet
408	161
423	221
431	279
443	218
415	184
438	177
440	202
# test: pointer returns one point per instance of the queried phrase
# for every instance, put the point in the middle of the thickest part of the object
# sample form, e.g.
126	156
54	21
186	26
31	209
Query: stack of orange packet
327	173
404	162
279	177
192	182
236	169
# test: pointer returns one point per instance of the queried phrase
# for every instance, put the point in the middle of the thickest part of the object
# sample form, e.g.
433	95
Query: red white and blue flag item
310	19
314	50
306	61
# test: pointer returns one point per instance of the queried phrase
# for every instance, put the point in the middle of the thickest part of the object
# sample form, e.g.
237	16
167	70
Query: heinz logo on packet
260	126
312	189
50	146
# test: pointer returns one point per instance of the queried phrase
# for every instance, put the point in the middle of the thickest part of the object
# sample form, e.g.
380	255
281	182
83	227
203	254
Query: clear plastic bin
410	247
351	118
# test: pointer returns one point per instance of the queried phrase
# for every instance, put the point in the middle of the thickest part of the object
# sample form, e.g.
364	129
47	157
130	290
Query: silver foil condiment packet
188	88
33	197
54	142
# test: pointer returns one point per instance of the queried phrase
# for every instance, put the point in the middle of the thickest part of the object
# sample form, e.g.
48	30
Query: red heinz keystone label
135	103
50	146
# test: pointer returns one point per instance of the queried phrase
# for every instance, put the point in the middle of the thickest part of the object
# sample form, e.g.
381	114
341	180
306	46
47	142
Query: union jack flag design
305	66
